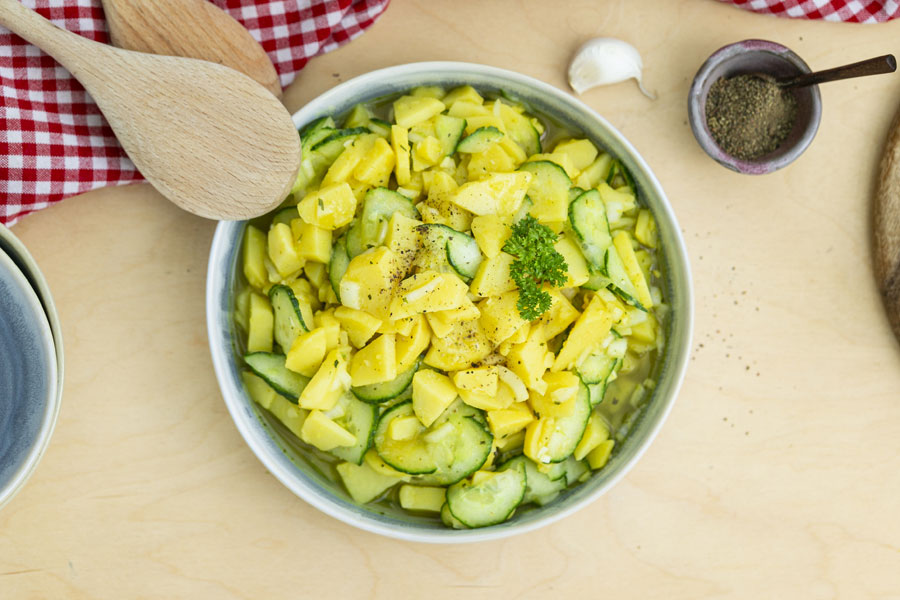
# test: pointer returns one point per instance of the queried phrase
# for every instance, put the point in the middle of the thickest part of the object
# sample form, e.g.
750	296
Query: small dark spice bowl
799	119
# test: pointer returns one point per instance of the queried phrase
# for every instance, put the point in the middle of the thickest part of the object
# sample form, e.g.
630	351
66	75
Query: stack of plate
31	365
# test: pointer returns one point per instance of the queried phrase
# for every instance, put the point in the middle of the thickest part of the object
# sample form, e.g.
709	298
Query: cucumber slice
334	143
433	254
520	129
539	487
359	116
463	254
380	205
620	283
597	281
587	217
462	452
596	368
359	418
270	367
285	215
354	242
315	132
340	260
574	470
411	456
490	501
567	431
549	190
480	140
379	127
289	321
597	371
378	393
449	130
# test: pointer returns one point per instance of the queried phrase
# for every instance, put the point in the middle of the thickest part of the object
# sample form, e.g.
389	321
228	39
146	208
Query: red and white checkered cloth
54	142
850	11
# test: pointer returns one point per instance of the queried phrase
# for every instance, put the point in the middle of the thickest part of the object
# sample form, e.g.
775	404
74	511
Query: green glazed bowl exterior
281	457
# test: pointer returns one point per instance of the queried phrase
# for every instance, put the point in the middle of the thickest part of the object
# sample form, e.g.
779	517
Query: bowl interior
28	379
756	56
305	478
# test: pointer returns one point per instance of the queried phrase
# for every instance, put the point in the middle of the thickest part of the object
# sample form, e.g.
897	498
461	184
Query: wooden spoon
887	228
190	28
209	138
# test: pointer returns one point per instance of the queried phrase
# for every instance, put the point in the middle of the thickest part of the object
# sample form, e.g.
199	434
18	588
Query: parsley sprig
537	261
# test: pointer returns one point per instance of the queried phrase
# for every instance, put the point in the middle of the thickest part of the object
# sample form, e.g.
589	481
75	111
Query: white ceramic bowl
281	457
30	366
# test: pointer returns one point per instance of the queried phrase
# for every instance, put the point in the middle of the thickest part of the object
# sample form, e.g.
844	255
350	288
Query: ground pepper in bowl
748	116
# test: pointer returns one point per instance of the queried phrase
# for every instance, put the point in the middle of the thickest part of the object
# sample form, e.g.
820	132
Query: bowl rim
698	119
217	280
51	408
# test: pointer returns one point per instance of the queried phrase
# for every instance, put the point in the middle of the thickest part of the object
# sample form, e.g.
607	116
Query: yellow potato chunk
500	318
502	399
344	165
329	207
404	428
622	242
375	363
307	352
580	152
599	456
595	434
492	277
508	421
491	232
412	110
591	327
282	251
363	483
375	168
323	433
359	325
314	243
260	325
576	267
422	498
332	327
369	282
483	380
326	386
427	291
400	145
254	255
529	361
409	347
497	194
432	393
463	346
559	317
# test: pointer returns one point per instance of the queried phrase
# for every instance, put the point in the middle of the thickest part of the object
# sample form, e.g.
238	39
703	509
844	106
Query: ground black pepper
749	116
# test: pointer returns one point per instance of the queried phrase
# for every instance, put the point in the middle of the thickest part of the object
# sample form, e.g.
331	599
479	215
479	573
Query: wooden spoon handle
887	228
64	46
871	66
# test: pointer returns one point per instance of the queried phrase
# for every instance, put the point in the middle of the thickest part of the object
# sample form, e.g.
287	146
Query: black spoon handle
872	66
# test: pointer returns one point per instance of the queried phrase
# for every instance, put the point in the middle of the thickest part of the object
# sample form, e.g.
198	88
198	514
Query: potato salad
459	311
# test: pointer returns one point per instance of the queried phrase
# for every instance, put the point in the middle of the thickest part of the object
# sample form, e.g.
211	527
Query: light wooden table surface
776	476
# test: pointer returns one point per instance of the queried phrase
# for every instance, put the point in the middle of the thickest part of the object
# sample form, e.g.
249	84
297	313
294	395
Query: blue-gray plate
28	379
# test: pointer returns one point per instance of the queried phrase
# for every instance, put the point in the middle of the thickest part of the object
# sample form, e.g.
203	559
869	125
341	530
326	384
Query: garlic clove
604	60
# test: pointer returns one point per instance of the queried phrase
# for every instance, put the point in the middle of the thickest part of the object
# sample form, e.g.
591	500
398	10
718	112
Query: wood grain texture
887	227
776	475
209	138
190	28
